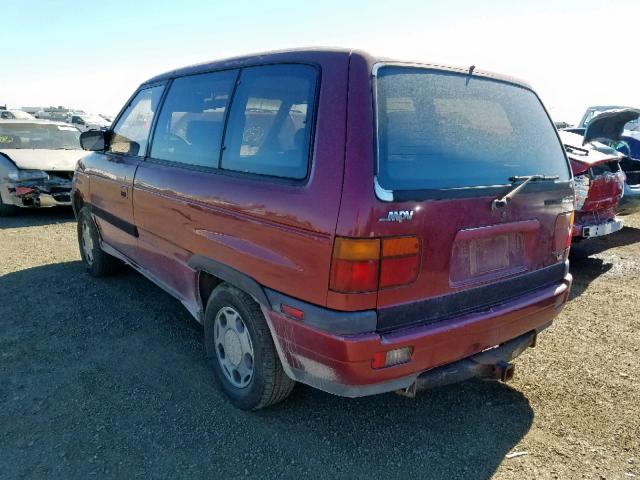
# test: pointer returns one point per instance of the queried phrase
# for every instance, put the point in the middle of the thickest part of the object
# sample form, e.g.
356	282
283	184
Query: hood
609	124
29	159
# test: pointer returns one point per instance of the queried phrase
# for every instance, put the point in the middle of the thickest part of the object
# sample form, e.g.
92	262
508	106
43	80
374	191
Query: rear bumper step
493	364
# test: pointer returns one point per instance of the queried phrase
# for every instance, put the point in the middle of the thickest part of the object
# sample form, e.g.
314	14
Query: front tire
97	262
241	351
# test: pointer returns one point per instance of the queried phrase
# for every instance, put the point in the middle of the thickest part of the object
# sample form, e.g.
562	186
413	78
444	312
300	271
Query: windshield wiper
501	202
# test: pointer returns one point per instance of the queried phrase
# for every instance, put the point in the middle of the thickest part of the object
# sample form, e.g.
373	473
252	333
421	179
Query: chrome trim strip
381	193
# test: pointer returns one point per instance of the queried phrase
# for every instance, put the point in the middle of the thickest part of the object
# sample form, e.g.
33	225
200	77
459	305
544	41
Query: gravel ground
106	378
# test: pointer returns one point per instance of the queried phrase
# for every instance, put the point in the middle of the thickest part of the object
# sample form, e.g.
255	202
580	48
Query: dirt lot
107	378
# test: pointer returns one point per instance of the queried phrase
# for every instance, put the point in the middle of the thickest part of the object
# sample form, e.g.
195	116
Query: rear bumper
600	229
342	364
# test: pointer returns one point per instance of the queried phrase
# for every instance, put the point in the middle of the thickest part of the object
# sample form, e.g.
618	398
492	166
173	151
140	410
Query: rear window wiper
501	202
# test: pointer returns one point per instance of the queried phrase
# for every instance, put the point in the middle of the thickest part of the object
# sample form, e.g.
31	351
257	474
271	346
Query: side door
112	172
244	195
183	156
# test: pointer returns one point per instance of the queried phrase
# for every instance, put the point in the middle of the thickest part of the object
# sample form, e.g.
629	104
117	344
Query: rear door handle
124	192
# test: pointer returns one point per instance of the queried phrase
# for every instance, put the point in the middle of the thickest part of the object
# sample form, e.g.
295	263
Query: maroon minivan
357	224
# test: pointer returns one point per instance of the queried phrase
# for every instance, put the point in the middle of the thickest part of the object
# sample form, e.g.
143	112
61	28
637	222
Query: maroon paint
282	234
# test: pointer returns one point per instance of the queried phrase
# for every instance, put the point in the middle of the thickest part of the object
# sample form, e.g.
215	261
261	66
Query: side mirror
94	140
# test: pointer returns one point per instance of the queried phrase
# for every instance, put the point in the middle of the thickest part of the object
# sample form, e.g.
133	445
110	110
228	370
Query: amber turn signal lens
356	249
400	246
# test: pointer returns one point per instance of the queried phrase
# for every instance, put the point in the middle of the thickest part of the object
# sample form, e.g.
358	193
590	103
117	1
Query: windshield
20	115
443	130
39	136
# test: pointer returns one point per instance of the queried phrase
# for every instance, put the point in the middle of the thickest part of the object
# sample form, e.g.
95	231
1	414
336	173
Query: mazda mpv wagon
357	224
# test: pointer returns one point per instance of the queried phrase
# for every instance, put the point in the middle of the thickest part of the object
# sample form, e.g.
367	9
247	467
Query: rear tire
97	262
241	351
7	210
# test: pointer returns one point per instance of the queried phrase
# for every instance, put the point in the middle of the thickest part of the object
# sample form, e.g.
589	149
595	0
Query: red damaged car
598	180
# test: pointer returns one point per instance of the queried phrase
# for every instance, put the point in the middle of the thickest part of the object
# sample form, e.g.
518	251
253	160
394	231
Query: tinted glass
190	125
439	130
269	129
131	133
39	136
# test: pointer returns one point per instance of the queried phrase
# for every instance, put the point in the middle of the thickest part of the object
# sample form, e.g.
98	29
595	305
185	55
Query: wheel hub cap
234	348
87	243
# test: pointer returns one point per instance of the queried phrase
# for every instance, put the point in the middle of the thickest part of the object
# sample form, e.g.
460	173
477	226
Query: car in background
592	112
88	122
37	159
613	132
599	186
627	138
15	115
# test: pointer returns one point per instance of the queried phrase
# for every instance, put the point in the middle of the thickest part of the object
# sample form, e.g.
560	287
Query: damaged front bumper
53	191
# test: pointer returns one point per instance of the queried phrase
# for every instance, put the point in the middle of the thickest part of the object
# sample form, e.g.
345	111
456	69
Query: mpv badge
397	216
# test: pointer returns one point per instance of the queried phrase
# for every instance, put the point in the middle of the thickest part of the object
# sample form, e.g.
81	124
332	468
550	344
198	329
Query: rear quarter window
443	130
270	121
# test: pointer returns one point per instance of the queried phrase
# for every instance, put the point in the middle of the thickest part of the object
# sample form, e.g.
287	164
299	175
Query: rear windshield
443	130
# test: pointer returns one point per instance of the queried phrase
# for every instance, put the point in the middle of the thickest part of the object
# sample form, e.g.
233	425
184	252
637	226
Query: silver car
37	159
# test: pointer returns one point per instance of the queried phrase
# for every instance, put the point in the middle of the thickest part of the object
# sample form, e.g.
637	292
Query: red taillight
349	276
562	232
354	267
400	261
358	265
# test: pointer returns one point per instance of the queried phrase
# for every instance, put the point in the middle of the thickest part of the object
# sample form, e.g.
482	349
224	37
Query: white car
37	160
88	122
15	115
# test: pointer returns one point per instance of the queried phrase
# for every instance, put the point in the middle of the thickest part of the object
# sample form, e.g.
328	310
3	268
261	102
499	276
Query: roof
311	55
252	59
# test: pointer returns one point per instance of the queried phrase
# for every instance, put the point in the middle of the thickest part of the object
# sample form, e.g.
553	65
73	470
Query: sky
93	55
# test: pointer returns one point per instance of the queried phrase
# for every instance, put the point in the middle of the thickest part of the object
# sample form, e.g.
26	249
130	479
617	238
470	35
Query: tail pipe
492	364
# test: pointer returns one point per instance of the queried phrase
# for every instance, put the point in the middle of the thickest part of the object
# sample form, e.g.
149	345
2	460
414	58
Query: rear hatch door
449	145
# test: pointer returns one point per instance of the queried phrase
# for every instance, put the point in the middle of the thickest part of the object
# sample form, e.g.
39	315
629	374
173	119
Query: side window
191	121
269	127
131	133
